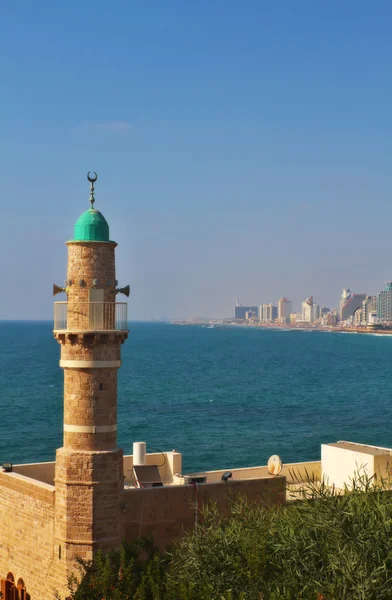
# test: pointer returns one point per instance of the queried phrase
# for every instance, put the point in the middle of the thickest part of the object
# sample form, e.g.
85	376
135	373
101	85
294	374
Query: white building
369	306
310	310
345	295
268	313
384	303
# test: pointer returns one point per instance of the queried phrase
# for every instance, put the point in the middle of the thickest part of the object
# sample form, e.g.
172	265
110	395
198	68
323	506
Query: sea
224	397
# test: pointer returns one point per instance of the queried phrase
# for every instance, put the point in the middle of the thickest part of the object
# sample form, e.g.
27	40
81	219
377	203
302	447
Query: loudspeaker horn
57	289
125	291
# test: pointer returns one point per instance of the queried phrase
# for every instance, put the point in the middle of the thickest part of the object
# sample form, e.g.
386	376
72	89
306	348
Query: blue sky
243	149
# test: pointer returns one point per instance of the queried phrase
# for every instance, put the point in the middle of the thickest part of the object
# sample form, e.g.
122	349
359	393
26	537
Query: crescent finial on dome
92	180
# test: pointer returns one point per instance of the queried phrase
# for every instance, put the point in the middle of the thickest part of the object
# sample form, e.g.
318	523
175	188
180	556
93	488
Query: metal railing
90	316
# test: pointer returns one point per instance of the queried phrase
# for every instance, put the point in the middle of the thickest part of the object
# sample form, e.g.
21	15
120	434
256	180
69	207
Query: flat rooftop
363	448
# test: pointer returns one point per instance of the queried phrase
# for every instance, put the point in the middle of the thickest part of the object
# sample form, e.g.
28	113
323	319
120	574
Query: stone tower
90	328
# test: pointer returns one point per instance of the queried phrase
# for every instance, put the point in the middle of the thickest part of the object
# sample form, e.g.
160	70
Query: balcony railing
90	316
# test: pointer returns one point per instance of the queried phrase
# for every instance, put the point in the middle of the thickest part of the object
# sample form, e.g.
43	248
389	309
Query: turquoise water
224	397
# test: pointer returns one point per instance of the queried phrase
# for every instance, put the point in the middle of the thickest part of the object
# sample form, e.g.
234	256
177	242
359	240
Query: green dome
91	227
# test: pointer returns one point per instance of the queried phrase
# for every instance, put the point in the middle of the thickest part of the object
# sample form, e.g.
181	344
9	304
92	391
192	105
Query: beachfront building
329	319
240	311
350	306
373	319
357	317
369	306
344	297
251	316
285	308
384	303
268	313
310	310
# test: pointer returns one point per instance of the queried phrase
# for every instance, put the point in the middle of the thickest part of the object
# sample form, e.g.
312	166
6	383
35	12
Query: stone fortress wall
26	533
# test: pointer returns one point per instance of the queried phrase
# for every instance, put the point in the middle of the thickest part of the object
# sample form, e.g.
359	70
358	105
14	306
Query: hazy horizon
242	150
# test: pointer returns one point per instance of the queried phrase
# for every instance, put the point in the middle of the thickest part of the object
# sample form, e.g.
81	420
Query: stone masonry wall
90	265
165	512
90	398
39	551
88	487
26	535
103	346
90	395
88	261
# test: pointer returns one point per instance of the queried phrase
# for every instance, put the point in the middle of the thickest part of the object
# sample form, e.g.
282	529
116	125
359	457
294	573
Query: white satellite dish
274	464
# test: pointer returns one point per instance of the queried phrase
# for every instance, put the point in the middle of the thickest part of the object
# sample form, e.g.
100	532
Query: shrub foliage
324	546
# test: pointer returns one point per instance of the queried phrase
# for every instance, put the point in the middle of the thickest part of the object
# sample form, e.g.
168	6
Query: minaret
90	327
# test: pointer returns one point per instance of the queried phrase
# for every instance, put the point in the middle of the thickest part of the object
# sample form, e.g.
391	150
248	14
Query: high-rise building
329	319
358	316
310	310
373	319
369	306
384	303
345	295
348	308
251	315
285	308
268	313
241	310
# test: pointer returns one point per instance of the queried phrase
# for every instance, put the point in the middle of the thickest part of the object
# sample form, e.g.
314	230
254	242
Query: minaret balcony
90	316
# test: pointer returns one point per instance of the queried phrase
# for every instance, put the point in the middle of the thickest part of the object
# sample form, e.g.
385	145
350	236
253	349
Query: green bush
324	546
136	571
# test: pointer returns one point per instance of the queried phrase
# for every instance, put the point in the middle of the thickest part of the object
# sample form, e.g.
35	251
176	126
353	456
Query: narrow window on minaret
100	387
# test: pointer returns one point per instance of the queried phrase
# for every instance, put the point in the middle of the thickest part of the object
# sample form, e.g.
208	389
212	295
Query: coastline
278	327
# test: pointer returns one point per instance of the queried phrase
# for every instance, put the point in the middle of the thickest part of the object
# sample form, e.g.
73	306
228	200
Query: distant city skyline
355	309
241	150
293	309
